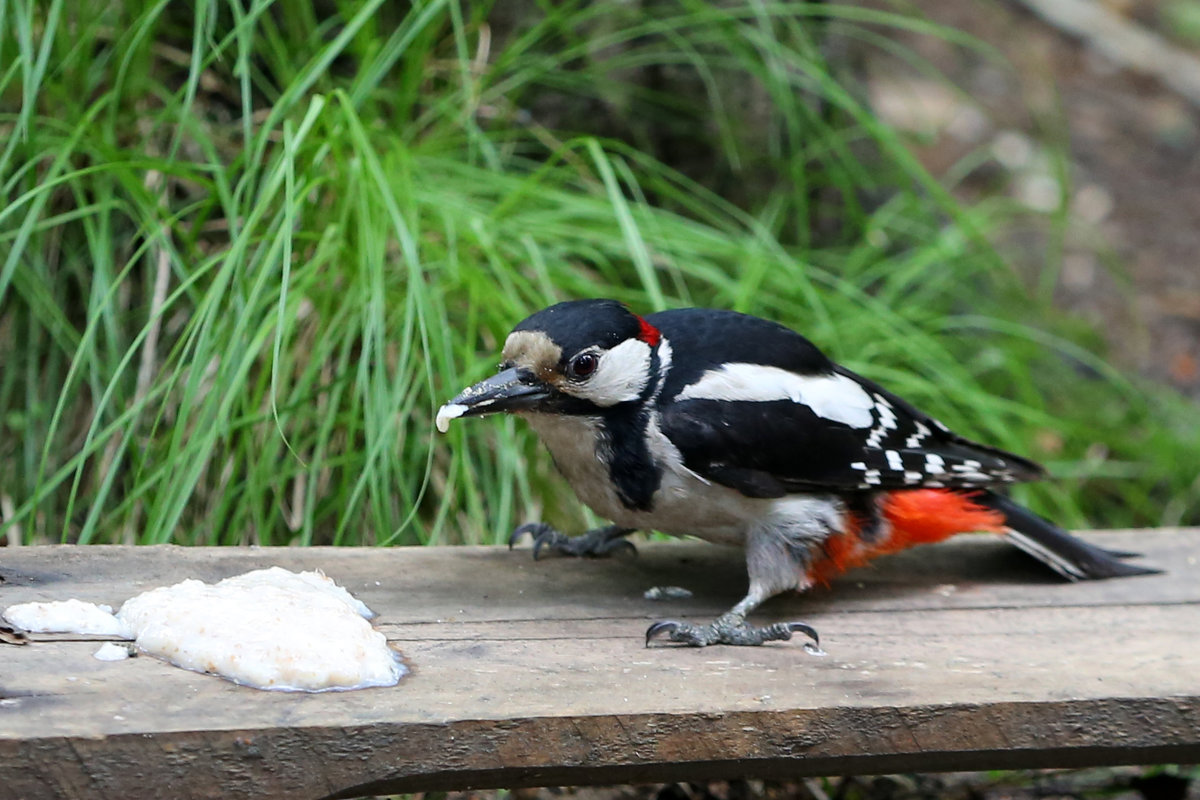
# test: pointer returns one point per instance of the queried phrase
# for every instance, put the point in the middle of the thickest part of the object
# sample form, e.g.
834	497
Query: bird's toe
535	529
731	629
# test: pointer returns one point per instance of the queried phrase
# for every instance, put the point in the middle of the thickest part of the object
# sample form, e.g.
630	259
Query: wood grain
960	656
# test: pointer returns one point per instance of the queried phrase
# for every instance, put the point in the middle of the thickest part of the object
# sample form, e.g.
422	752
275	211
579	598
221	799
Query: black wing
774	447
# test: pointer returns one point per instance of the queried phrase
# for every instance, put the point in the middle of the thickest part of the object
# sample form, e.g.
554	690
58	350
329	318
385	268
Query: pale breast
572	441
685	504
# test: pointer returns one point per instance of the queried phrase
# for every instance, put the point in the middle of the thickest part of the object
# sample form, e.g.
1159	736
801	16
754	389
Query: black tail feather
1122	554
1070	557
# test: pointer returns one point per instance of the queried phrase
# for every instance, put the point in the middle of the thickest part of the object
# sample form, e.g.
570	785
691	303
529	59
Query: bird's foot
596	543
729	628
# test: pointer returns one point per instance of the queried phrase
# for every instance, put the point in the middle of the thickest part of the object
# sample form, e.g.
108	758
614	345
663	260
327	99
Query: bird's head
581	357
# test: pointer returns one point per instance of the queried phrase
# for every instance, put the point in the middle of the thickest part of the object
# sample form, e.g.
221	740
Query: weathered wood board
964	655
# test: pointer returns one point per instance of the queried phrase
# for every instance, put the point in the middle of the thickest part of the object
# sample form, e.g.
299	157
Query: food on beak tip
448	412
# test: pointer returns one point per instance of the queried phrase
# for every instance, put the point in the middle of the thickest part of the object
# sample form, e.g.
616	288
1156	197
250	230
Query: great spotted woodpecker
740	431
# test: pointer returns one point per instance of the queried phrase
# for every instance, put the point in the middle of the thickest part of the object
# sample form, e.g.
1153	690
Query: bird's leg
730	628
776	560
596	543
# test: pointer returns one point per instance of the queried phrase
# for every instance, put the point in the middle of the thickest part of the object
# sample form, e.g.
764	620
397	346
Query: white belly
685	504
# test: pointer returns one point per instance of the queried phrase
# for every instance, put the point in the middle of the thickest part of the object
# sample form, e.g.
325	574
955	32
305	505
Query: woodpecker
738	430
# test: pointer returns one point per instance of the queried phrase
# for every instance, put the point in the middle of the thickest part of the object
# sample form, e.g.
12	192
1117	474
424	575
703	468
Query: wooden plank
959	656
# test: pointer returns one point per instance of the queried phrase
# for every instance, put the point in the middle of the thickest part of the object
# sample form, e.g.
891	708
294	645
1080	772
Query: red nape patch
648	333
916	516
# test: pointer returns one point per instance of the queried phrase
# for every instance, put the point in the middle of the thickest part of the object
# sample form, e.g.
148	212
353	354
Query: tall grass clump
247	247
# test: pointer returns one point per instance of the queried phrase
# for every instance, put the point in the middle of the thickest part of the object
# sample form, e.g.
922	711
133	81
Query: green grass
247	250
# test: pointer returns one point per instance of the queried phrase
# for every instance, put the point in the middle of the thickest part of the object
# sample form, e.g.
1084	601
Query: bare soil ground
1130	178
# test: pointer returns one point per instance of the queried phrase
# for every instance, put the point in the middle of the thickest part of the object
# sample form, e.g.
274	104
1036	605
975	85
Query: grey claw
538	543
532	528
515	536
667	626
806	629
623	545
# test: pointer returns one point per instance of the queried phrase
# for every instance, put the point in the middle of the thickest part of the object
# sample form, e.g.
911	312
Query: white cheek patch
621	375
833	397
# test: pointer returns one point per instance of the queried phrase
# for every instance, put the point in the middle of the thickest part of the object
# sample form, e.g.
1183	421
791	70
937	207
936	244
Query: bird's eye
584	364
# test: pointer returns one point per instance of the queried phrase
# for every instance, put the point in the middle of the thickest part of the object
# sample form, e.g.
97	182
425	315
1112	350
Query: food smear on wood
65	616
270	629
667	593
111	651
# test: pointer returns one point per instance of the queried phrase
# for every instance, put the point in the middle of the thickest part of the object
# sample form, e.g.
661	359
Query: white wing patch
887	422
833	397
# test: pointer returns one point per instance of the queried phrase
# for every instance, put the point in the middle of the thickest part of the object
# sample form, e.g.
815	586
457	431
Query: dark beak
511	390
